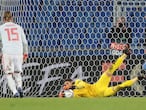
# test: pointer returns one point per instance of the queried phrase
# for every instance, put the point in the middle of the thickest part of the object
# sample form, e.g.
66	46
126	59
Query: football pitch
110	103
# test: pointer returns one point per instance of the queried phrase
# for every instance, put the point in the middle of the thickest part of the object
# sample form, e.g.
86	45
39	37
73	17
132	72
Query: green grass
111	103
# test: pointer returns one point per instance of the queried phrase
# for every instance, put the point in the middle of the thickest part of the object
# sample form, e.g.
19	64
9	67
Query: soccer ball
68	93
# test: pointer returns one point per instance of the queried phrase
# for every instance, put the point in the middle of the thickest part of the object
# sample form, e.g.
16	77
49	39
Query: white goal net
77	39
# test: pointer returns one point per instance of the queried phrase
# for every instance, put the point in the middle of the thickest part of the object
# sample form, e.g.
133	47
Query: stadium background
69	39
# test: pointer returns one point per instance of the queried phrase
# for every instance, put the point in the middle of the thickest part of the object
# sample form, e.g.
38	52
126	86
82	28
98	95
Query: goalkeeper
101	87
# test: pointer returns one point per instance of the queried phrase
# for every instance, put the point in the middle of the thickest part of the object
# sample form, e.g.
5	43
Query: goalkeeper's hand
61	94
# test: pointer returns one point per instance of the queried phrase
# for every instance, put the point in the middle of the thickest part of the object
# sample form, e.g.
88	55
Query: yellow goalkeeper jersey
84	89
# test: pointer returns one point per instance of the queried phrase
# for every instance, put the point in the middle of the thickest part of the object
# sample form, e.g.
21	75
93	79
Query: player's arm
25	45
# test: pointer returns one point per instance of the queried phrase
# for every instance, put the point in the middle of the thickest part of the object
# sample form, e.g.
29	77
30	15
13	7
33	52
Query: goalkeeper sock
18	79
11	83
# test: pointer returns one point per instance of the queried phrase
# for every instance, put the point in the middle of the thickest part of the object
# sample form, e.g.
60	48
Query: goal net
77	39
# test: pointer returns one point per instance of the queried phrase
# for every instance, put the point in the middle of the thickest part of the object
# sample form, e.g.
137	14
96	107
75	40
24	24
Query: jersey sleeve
80	84
24	42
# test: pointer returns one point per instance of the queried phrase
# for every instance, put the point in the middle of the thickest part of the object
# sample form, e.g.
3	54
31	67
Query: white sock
11	83
18	79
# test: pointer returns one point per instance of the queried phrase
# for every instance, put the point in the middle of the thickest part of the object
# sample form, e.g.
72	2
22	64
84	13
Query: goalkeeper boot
127	50
20	92
142	75
16	95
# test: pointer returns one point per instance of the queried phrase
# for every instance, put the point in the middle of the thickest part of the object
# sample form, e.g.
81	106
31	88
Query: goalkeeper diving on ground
100	88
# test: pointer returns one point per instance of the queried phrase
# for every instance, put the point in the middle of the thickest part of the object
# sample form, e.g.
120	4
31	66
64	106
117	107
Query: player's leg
11	84
8	68
102	84
18	60
106	76
112	90
18	80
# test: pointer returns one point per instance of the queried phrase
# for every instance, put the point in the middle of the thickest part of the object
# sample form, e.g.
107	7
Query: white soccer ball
68	93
